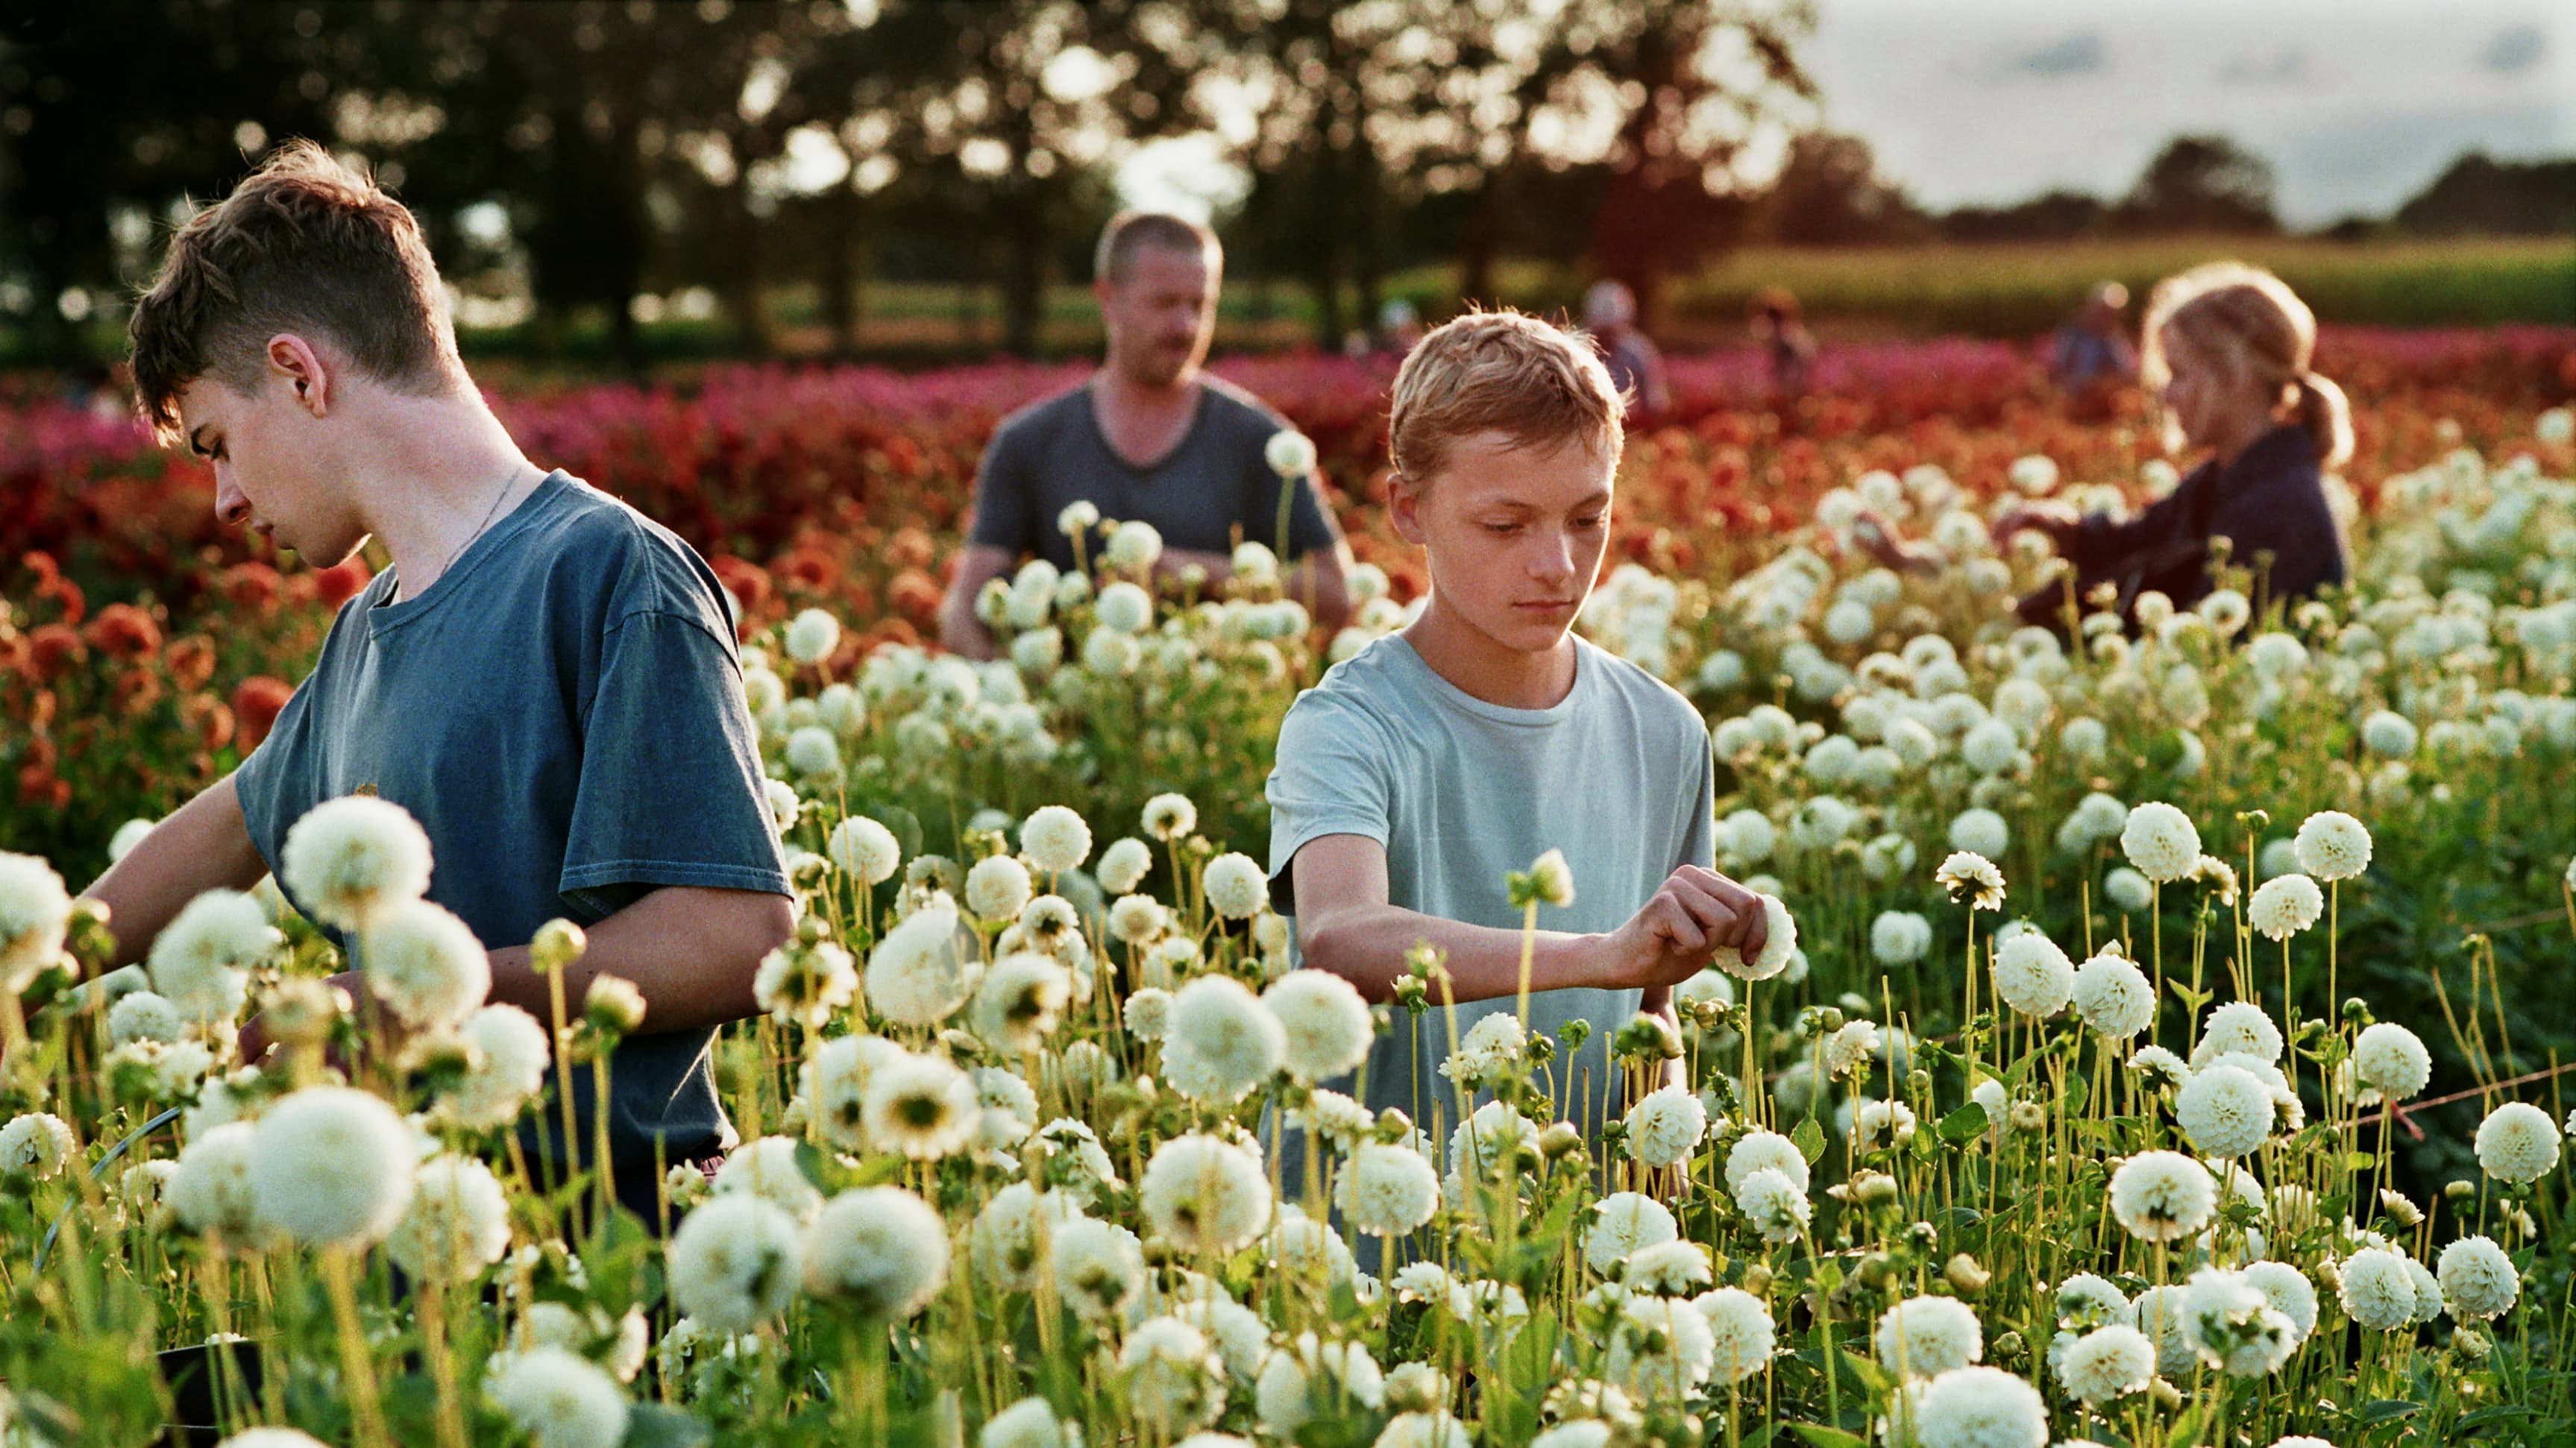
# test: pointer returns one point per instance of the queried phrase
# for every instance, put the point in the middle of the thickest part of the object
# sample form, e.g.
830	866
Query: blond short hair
1507	372
2248	321
1130	232
304	244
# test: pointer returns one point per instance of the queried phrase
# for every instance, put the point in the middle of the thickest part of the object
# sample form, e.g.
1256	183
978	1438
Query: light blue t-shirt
1461	793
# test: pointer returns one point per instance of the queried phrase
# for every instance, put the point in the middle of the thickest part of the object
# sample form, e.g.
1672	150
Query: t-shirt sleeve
1005	494
1332	776
1699	831
671	786
276	782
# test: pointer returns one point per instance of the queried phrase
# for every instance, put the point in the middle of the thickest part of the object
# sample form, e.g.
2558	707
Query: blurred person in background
1787	346
2228	354
1150	437
1636	366
1399	326
2089	357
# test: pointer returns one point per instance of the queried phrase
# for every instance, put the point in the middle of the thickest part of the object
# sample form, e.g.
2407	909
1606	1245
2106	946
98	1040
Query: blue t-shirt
562	711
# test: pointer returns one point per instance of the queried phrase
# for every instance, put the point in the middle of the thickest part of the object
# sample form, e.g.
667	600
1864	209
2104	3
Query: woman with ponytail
2227	351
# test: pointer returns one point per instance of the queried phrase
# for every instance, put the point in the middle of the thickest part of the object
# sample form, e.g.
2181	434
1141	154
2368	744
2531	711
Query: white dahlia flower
560	1398
457	1223
2032	975
2478	1279
2333	845
2376	1289
917	975
2285	905
2224	1111
1624	1223
2517	1143
1980	1407
1665	1126
35	912
1221	1041
335	1167
1236	886
880	1251
2162	1196
1325	1024
2112	996
424	963
2391	1060
1204	1194
2106	1364
1924	1337
734	1262
1386	1190
2161	842
201	960
351	856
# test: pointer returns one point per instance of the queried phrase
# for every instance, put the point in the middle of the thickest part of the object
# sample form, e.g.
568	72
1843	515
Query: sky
2356	103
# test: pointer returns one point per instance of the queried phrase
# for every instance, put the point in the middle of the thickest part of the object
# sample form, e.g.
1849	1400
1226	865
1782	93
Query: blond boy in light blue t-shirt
1426	767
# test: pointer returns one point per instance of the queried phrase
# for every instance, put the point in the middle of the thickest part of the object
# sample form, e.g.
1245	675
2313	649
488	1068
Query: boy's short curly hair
1501	371
304	244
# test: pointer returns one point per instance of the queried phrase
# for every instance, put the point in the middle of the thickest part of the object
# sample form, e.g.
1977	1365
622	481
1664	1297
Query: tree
2495	198
2202	184
1829	194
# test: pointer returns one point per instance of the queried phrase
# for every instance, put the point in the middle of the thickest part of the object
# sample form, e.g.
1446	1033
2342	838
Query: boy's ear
1404	508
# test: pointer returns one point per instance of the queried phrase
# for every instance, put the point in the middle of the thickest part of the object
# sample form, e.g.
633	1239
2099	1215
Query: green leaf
1818	1433
1810	1140
2388	1410
1965	1124
2357	1160
658	1425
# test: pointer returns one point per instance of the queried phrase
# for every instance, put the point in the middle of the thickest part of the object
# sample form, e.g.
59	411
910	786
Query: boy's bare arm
1346	926
203	846
960	631
691	952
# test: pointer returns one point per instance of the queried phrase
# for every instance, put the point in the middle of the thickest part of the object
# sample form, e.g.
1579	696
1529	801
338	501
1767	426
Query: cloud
2077	54
2517	48
2288	67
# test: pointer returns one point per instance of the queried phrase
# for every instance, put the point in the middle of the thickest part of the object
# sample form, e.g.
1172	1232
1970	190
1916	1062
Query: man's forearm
692	956
202	846
1365	945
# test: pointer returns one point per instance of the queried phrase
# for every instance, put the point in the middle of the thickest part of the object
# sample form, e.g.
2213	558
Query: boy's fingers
1757	935
1673	921
1724	919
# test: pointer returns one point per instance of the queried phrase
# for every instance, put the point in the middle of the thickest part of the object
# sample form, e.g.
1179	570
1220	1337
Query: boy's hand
1696	914
2047	514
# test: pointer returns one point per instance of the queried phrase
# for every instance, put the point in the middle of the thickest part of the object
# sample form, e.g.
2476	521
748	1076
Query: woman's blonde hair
2248	321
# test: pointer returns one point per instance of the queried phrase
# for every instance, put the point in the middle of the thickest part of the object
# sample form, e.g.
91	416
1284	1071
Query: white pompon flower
812	635
1175	1381
424	963
2161	842
1776	1205
1741	1333
2162	1196
2224	1111
2517	1143
272	1438
2033	976
918	1106
1029	1423
2391	1060
1624	1223
1221	1041
335	1167
734	1262
212	1190
2376	1290
1099	1267
37	1143
2333	845
515	1056
35	911
1660	1348
457	1223
2106	1364
561	1399
1204	1194
917	975
1980	1407
1387	1190
880	1252
1308	1379
2285	905
766	1167
1665	1126
1325	1024
2478	1280
1969	876
1924	1337
865	848
2288	1290
2237	1026
1124	865
2112	995
1168	817
1290	453
1761	1150
1055	838
351	856
997	888
1132	547
201	960
1236	886
1779	947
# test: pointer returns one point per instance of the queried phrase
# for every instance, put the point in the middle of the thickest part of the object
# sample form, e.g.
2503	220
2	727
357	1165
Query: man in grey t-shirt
1148	438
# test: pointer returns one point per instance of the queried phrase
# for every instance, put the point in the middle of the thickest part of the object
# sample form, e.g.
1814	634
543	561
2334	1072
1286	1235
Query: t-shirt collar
384	616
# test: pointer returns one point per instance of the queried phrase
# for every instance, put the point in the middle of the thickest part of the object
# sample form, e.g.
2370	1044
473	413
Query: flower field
2159	1049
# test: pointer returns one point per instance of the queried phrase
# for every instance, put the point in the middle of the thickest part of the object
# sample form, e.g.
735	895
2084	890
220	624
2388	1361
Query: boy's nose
231	508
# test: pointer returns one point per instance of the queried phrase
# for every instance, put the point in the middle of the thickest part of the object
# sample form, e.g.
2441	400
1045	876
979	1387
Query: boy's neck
1484	668
446	470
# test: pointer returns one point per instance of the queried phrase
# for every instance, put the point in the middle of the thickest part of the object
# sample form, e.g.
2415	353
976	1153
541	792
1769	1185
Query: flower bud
613	1005
1757	1280
2027	1116
301	1010
1559	1139
1966	1275
558	943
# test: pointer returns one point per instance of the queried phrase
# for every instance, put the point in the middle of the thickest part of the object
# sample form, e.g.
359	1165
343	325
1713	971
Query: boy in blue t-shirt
544	678
1425	768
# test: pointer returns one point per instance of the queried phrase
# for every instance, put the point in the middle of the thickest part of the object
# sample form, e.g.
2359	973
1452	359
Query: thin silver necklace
506	485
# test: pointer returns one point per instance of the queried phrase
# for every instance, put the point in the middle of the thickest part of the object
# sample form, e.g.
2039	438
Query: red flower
53	648
336	586
255	707
122	631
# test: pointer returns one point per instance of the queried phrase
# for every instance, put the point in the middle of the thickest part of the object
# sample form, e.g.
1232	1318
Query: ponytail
2322	410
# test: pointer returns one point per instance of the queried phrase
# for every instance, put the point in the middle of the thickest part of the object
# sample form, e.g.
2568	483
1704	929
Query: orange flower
191	661
52	648
336	586
255	707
